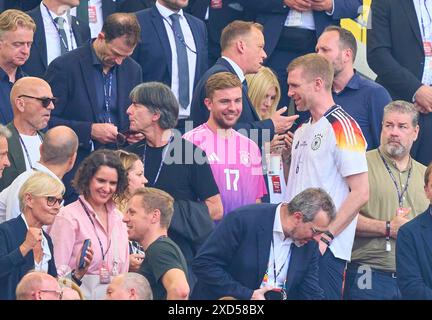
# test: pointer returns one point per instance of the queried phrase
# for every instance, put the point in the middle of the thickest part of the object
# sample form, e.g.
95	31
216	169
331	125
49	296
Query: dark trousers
364	283
331	274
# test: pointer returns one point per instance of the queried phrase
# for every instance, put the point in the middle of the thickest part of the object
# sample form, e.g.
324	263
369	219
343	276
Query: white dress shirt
52	37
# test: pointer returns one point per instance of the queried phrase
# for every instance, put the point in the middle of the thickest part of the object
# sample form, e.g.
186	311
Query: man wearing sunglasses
32	102
58	152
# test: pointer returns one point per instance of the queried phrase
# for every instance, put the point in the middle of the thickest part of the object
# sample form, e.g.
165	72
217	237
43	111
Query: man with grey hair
174	164
129	286
396	196
278	237
58	153
4	159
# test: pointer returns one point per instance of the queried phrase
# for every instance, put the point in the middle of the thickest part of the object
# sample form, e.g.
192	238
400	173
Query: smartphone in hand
82	262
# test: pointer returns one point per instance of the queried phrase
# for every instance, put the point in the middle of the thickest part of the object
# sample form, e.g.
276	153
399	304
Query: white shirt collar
165	12
236	68
43	264
53	14
277	226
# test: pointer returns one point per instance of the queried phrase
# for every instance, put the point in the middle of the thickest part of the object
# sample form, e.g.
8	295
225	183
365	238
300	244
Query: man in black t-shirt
147	218
174	165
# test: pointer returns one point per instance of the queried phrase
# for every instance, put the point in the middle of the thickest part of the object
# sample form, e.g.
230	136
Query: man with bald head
129	286
57	157
32	103
38	286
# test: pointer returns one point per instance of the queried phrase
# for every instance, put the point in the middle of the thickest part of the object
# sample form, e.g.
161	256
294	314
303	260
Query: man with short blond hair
16	38
328	151
242	45
147	218
235	160
38	286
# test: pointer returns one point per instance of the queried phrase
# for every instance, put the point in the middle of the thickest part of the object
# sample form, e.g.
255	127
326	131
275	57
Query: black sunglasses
45	100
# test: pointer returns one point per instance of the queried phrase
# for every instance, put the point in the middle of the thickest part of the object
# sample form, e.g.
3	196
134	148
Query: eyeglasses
58	292
51	201
45	100
316	232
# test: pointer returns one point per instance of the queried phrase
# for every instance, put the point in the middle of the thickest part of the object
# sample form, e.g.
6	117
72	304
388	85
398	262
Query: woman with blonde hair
264	92
24	245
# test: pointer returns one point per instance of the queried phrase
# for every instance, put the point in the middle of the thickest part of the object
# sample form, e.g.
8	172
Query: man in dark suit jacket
283	43
238	259
155	51
395	53
92	84
37	63
242	53
220	14
414	252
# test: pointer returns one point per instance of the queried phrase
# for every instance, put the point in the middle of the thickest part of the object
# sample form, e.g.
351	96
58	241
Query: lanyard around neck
25	149
94	227
64	41
400	193
164	153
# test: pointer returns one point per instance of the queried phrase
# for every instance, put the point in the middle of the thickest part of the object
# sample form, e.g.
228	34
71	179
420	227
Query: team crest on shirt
316	142
245	158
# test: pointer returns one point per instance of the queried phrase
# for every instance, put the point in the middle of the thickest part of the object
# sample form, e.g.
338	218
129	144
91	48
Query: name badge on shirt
216	4
276	184
427	72
92	14
104	275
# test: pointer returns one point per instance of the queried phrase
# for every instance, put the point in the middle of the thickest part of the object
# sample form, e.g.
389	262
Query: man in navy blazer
158	45
243	53
414	252
396	54
37	63
92	84
255	244
306	21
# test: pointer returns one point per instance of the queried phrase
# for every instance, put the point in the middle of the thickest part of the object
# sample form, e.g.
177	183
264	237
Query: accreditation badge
92	14
216	4
276	184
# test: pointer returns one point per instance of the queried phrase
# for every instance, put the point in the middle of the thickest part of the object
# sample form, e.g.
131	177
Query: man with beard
396	196
16	38
362	98
235	160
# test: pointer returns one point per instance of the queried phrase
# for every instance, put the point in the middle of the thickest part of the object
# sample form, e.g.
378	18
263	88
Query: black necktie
62	34
182	61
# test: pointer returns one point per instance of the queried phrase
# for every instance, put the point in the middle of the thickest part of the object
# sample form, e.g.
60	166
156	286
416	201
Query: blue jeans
364	283
331	273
